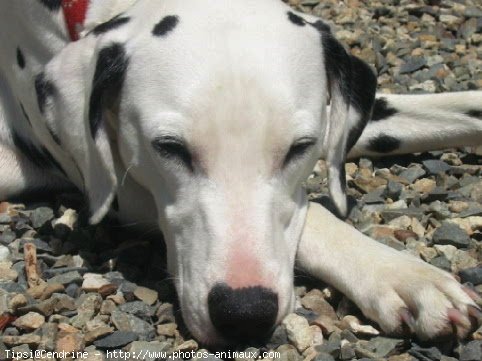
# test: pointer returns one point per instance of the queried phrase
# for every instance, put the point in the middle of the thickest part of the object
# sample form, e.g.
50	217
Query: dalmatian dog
204	117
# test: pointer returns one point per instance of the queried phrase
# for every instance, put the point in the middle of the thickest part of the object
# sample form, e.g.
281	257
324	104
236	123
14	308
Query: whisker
125	174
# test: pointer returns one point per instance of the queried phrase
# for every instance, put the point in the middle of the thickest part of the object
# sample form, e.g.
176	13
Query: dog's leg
415	123
390	287
20	176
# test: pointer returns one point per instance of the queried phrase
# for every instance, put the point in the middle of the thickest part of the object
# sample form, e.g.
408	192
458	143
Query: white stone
4	254
462	260
298	331
317	338
402	222
401	204
450	19
428	86
446	250
354	326
68	219
29	321
469	224
93	281
6	272
78	261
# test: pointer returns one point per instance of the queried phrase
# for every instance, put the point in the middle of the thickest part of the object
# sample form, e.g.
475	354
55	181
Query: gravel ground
99	288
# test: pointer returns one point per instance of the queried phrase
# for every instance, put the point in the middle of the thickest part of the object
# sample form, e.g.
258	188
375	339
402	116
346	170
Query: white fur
379	279
239	83
432	121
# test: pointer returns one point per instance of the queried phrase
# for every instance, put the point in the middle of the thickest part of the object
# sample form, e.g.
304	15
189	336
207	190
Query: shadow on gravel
127	259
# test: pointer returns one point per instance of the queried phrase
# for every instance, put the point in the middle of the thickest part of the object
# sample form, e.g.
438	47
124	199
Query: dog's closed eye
298	149
174	149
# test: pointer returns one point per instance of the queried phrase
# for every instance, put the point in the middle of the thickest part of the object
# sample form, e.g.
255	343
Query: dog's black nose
243	314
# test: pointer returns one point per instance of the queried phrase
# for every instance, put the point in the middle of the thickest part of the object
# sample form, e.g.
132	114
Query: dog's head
219	110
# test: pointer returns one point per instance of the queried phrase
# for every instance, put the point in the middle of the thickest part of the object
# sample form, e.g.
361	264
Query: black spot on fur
354	79
384	144
337	64
44	89
475	113
363	88
321	26
342	178
53	5
109	76
44	193
20	59
25	114
112	24
353	135
296	19
338	68
39	156
381	110
166	25
115	204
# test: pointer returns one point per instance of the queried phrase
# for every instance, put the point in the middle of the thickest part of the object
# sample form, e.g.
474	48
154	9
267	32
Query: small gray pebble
437	194
323	356
452	234
413	64
365	163
471	351
41	246
374	197
40	216
67	278
73	290
427	354
472	275
5	218
349	336
435	166
441	262
278	338
347	352
10	331
7	237
12	287
116	339
383	346
412	174
332	346
137	308
472	211
390	214
127	322
393	190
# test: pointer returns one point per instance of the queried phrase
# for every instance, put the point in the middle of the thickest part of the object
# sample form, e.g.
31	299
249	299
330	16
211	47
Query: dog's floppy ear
351	87
80	81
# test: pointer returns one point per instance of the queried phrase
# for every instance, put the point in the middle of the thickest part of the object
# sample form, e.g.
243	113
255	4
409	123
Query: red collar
74	15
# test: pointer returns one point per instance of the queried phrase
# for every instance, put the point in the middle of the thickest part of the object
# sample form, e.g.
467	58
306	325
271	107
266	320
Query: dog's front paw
398	291
408	294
